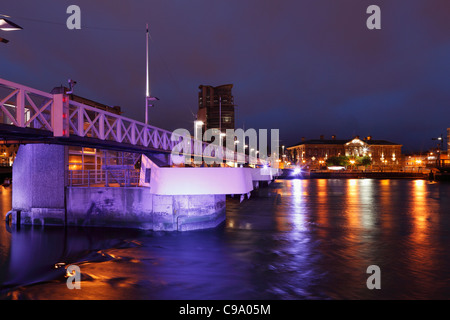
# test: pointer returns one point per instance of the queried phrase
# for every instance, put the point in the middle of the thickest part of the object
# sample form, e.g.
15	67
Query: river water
295	239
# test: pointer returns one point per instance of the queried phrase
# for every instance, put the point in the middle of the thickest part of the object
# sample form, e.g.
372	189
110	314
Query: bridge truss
30	115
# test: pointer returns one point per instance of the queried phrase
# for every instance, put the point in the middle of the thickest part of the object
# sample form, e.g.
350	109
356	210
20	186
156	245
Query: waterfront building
431	159
7	154
418	161
448	142
315	152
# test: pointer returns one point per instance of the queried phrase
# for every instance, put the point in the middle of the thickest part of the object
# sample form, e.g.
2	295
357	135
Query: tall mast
147	79
148	98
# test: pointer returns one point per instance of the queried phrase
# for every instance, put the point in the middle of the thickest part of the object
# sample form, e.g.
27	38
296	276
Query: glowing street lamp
365	150
352	162
439	147
7	25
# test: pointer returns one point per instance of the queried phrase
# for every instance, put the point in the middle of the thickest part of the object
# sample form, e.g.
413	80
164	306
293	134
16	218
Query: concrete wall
195	181
41	197
137	208
39	177
38	181
109	207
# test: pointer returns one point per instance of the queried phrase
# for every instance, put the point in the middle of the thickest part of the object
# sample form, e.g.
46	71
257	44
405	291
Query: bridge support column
39	180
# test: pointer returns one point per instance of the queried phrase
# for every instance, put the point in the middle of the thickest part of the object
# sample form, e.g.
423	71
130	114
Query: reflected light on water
360	203
322	207
367	198
290	206
422	243
298	215
294	239
297	190
421	221
352	205
420	211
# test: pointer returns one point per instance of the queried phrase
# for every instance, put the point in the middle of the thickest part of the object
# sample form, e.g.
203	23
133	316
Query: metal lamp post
6	25
439	148
148	98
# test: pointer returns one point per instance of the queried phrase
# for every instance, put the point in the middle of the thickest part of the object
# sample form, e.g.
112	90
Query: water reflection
385	201
295	239
423	218
367	199
353	207
420	211
322	207
35	252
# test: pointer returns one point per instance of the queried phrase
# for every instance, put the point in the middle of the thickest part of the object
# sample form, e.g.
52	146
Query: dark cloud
305	67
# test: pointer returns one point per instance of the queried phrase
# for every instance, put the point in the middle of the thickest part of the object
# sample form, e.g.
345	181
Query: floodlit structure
316	152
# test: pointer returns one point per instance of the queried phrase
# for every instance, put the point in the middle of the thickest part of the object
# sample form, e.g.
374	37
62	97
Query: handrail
64	117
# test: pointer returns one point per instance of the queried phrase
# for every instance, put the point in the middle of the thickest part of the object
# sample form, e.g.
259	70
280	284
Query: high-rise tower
216	107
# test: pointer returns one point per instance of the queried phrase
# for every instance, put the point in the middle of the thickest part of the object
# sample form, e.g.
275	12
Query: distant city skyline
303	67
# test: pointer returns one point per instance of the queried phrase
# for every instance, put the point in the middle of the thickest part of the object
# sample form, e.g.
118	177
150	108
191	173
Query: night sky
306	67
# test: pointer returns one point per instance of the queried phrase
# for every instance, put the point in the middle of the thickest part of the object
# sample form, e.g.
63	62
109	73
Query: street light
439	148
439	138
6	25
149	100
352	162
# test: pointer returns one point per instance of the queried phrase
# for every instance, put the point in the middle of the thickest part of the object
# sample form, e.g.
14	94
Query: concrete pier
39	179
135	207
41	197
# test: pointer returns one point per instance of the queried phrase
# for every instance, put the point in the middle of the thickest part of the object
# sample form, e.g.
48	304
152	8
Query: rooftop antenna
148	97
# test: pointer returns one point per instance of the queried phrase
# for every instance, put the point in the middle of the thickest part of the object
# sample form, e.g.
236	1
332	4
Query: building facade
314	153
216	107
448	142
